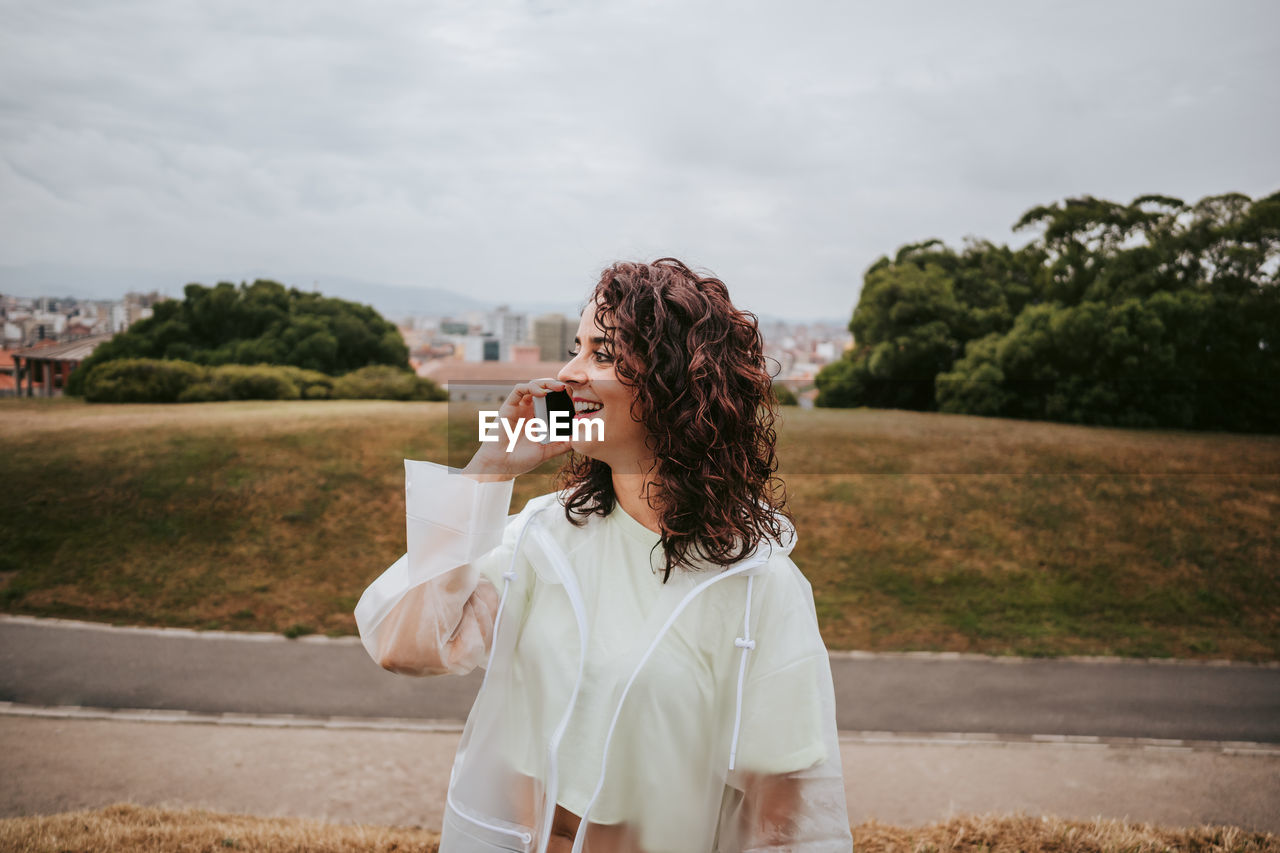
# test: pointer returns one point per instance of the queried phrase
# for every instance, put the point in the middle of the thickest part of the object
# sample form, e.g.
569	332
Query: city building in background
474	346
42	370
45	338
479	348
553	335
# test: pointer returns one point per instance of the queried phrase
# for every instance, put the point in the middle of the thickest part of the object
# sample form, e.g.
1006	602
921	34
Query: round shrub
254	382
311	384
383	382
204	392
141	380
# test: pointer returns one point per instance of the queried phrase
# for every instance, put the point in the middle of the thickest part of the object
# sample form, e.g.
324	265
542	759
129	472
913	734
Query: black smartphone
559	427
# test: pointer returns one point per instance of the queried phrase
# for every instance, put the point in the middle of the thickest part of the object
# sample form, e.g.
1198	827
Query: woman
655	679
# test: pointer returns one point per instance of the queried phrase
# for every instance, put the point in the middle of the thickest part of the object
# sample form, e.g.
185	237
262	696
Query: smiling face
597	393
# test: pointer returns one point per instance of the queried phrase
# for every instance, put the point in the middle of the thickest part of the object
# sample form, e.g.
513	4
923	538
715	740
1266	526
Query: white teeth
580	406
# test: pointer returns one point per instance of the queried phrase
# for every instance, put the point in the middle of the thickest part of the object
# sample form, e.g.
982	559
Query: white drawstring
746	644
526	838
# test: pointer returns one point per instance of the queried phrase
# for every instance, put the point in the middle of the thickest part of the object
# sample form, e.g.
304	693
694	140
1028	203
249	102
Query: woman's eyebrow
597	341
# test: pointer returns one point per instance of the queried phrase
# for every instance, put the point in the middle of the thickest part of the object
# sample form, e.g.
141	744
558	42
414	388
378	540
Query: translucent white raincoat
696	716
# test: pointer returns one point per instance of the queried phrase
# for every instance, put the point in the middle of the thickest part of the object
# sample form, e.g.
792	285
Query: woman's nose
572	372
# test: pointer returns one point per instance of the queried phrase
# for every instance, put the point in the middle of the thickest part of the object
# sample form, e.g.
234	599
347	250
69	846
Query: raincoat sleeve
789	771
432	612
782	724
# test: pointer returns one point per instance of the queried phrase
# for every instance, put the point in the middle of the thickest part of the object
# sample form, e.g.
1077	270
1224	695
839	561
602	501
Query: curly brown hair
696	365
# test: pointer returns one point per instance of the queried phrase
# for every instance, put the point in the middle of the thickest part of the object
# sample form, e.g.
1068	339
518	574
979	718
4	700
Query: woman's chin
589	441
589	449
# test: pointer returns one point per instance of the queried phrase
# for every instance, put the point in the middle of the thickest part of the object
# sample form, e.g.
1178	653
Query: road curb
246	636
1018	659
228	718
318	639
396	724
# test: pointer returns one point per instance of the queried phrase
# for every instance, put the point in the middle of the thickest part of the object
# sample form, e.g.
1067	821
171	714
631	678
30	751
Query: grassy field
918	531
116	829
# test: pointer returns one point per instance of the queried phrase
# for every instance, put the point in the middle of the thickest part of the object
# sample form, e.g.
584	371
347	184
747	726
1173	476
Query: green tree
260	323
1151	313
915	315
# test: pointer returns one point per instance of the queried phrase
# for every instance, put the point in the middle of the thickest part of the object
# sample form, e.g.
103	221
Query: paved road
58	663
399	777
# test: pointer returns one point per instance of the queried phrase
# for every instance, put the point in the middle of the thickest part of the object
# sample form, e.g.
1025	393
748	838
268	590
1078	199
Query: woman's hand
493	461
769	808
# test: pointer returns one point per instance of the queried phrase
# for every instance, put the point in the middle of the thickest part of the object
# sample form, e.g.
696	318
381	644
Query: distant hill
391	301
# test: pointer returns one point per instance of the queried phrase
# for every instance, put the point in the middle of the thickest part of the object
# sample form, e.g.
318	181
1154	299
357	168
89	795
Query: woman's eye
600	356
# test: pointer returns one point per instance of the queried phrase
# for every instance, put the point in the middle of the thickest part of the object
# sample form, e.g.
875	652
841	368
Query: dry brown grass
120	828
23	415
1024	834
924	531
944	532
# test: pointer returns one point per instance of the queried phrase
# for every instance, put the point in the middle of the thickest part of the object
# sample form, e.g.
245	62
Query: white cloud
512	149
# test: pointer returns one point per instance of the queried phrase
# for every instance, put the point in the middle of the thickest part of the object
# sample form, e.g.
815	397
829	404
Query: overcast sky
510	150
